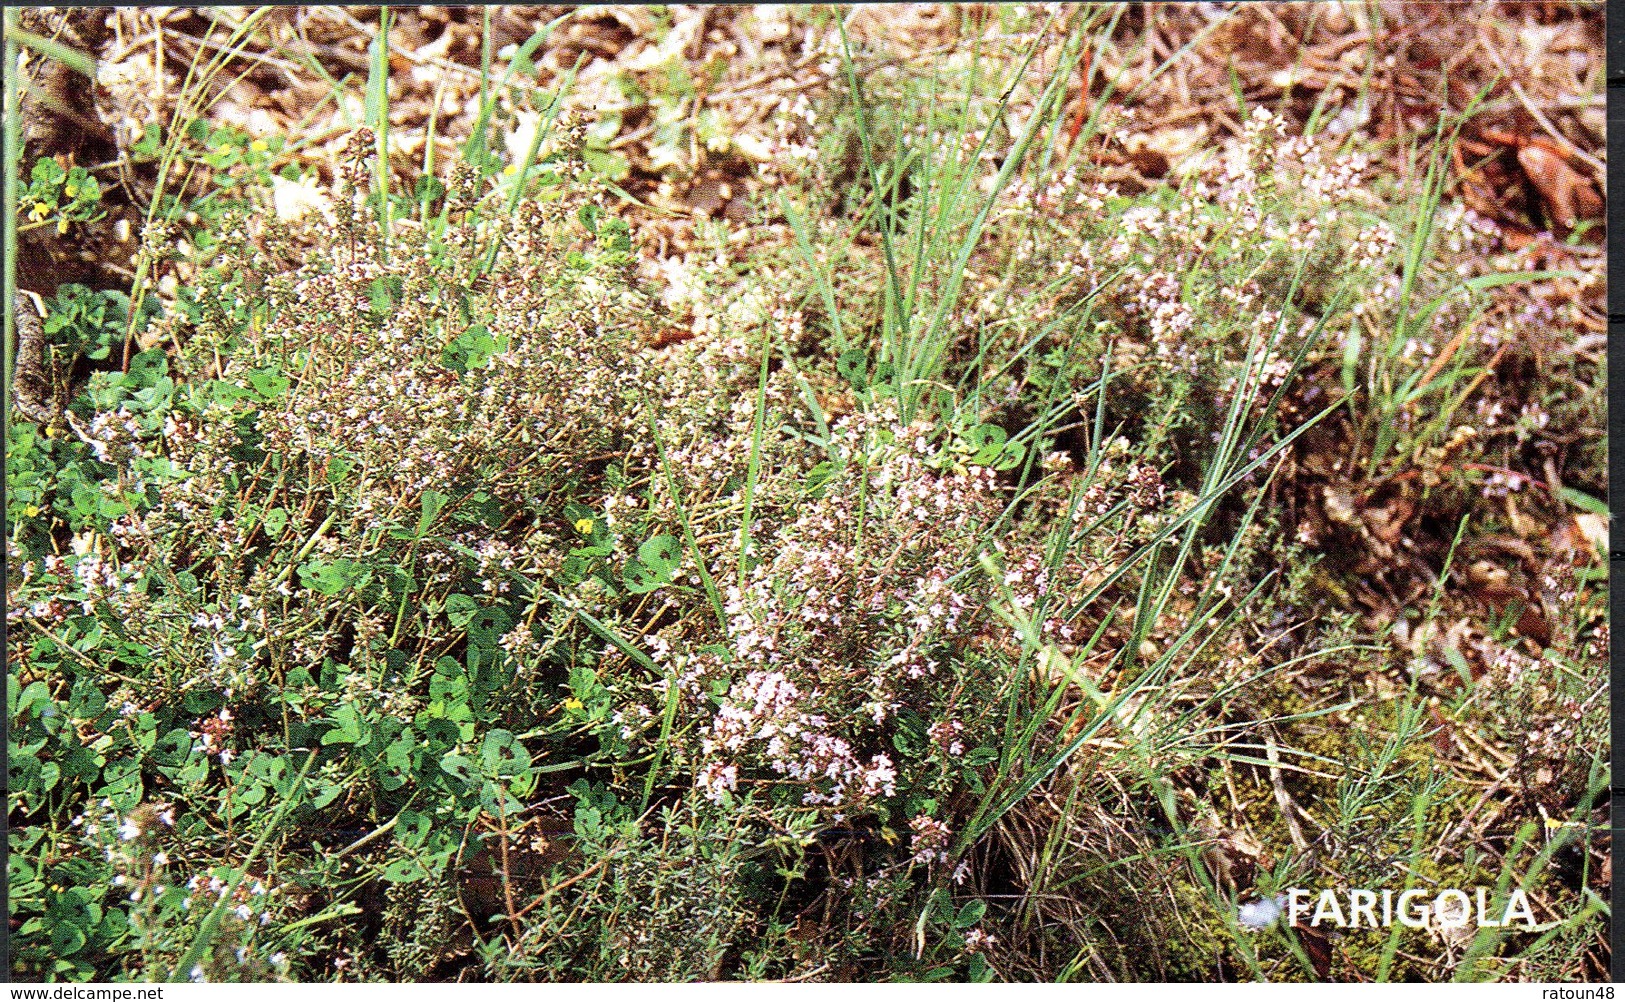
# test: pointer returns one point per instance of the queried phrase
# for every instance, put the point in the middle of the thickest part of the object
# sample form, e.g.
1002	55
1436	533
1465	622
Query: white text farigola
1416	908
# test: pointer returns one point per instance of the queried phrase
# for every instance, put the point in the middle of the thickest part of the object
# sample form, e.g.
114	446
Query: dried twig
1283	799
1598	168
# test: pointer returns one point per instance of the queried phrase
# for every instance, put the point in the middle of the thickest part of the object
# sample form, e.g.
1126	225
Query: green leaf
428	189
37	694
979	969
337	469
657	559
67	939
503	755
351	729
433	502
469	350
589	215
412	831
404	871
1351	359
589	822
853	365
459	767
151	141
325	794
981	756
606	164
818	476
970	913
332	578
523	65
276	519
147	369
1583	501
661	554
487	627
122	783
460	609
987	442
268	382
376	100
174	749
640	579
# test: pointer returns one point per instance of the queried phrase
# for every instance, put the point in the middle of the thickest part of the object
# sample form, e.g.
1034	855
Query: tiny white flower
295	199
1260	914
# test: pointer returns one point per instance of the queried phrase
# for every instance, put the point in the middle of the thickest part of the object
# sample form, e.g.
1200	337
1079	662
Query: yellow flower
259	146
584	526
72	191
572	704
39	211
30	511
62	225
511	170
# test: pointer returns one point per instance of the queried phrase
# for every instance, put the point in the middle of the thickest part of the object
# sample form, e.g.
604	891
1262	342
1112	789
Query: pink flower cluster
768	710
861	593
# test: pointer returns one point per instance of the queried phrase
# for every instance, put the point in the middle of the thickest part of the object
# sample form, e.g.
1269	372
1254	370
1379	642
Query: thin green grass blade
376	109
8	203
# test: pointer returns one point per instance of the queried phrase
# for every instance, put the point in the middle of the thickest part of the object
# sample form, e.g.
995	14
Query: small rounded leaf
661	554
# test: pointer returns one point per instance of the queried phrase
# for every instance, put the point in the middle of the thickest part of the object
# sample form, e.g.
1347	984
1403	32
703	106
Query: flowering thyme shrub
1206	290
859	609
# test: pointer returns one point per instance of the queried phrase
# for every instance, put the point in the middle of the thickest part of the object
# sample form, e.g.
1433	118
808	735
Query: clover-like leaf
276	519
503	755
853	365
661	554
639	579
